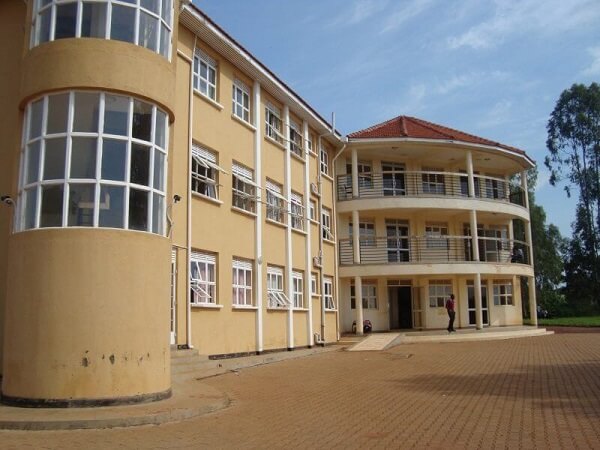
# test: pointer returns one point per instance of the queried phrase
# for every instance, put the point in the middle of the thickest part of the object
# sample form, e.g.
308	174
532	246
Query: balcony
428	250
428	184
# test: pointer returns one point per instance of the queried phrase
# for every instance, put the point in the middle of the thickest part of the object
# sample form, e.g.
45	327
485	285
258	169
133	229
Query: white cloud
594	67
469	79
498	115
512	18
358	12
404	13
411	102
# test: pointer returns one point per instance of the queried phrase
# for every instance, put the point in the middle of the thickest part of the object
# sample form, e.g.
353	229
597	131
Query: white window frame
433	182
295	137
326	225
273	123
328	294
243	195
276	210
203	84
438	292
297	211
242	291
369	296
241	109
314	285
312	210
205	160
309	144
324	161
298	290
366	233
436	235
503	293
204	291
275	284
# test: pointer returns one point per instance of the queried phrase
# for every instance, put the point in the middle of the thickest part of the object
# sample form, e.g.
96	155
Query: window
328	293
433	182
205	172
439	291
436	236
273	123
87	169
314	284
326	224
295	139
309	143
242	282
369	296
366	233
205	74
148	24
298	289
241	100
312	210
365	173
275	294
503	293
244	189
324	161
297	211
275	202
202	279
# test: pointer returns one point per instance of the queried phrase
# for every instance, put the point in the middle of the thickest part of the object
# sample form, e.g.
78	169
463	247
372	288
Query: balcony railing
427	249
428	184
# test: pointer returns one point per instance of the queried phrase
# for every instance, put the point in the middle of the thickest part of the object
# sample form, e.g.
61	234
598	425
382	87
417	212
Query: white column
354	173
288	227
358	304
307	228
532	301
478	310
356	236
470	179
474	235
258	228
525	189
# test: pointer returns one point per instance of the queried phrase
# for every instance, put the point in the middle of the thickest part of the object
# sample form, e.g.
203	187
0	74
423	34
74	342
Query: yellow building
163	189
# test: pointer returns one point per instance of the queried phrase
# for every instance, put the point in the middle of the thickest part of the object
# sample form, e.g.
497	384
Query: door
484	304
401	311
397	241
173	294
393	179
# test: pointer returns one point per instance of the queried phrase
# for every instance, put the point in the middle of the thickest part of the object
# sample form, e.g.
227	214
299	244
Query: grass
588	321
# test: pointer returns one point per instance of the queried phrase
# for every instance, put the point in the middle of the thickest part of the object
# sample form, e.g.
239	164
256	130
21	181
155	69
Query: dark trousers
451	316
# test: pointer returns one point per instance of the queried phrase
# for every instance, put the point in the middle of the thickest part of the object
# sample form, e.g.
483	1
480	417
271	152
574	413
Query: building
164	189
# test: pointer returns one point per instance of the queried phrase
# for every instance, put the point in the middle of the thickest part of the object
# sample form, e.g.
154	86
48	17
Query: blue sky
491	68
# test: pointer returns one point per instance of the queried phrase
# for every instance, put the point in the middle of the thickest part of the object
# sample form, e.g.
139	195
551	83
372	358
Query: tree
574	157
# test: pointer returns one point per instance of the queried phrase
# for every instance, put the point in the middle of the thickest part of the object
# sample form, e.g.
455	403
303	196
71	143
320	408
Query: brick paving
531	393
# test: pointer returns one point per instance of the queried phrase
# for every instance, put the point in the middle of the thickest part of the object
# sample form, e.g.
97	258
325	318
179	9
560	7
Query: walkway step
378	341
470	335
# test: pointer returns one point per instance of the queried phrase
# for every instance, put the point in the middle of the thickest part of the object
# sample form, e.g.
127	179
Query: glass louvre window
243	188
369	296
297	207
326	224
273	123
202	278
433	183
439	291
93	159
503	294
436	235
241	101
324	162
205	172
242	283
275	294
295	139
328	293
298	289
147	23
205	74
275	202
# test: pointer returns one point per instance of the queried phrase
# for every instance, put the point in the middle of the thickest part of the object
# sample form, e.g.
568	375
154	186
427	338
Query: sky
493	68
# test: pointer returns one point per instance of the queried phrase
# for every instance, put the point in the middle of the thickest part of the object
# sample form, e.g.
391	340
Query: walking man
450	305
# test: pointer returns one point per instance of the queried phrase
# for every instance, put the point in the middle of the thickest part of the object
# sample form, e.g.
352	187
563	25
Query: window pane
141	128
151	5
140	164
161	123
116	111
158	214
165	41
166	11
33	162
93	20
159	171
138	210
123	23
148	33
30	199
111	206
83	157
52	206
86	112
58	111
81	205
114	153
35	124
54	160
66	21
44	35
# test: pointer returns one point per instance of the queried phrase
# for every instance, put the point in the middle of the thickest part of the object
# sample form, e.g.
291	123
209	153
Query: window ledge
329	241
301	309
316	296
330	178
208	100
274	222
206	306
243	211
275	142
272	309
298	157
207	198
244	308
331	310
313	221
243	122
299	231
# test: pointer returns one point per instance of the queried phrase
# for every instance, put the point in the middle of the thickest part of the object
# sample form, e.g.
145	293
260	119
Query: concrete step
471	335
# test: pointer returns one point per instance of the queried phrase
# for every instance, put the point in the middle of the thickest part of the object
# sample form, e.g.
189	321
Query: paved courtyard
540	392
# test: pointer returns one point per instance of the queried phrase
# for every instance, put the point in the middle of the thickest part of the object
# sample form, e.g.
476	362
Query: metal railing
427	249
428	184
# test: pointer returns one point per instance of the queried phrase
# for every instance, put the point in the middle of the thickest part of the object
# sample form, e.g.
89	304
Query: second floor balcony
428	184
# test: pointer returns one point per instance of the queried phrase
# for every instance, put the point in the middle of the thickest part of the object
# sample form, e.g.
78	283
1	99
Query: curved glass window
143	22
93	159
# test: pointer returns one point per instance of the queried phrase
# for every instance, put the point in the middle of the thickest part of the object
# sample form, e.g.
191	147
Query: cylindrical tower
87	303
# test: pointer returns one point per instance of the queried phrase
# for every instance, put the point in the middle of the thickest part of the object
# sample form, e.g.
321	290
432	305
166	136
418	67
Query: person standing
450	305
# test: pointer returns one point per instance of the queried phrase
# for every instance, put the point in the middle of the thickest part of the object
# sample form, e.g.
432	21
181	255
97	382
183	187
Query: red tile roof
411	127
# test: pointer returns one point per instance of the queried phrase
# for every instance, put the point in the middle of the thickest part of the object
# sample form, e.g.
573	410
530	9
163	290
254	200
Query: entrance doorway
401	310
173	294
484	304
